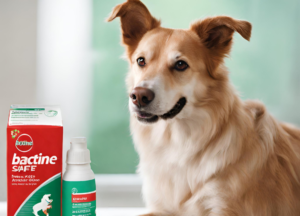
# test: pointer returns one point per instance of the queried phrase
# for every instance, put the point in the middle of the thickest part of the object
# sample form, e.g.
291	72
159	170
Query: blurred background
61	52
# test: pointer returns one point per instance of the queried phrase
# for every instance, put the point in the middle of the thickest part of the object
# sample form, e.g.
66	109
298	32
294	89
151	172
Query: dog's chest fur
190	167
173	168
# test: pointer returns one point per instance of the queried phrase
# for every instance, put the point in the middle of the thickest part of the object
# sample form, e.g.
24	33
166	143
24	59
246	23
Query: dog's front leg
46	212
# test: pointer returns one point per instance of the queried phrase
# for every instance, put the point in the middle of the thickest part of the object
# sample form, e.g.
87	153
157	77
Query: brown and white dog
202	150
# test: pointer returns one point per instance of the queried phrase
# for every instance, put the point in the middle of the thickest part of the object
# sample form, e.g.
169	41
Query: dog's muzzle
151	118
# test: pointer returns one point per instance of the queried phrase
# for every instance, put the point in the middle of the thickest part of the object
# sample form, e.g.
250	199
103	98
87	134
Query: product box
34	160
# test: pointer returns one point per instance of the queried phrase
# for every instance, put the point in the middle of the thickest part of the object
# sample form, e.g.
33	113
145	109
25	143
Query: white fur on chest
162	164
167	162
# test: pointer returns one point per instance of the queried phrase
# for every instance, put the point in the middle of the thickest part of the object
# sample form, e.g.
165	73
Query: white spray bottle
79	188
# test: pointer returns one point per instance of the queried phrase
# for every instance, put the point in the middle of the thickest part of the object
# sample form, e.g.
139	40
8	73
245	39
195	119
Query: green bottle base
79	198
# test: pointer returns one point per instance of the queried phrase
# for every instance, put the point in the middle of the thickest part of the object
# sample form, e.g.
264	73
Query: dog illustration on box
44	205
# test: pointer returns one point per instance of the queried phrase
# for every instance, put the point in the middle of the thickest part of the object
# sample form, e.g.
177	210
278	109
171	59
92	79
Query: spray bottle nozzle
78	153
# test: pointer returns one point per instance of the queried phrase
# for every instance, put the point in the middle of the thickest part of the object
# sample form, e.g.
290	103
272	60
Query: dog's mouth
151	118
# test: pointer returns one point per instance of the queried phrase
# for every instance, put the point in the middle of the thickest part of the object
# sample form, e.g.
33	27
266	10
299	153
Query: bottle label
79	198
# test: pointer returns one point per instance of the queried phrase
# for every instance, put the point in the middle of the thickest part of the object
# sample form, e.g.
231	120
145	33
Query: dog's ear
216	35
136	20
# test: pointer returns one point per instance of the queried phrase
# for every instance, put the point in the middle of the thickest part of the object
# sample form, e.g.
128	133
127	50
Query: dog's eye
181	65
141	61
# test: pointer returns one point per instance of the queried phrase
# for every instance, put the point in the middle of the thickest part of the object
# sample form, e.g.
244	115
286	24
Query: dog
44	205
203	151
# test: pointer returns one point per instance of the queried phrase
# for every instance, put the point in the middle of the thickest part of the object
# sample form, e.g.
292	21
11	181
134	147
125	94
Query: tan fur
219	155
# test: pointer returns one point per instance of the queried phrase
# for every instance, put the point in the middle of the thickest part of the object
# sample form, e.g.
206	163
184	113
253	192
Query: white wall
64	57
45	59
17	65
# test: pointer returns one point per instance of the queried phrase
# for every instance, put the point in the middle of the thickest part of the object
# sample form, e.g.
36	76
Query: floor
100	211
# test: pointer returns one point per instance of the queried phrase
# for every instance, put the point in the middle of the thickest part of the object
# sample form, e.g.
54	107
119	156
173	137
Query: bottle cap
78	152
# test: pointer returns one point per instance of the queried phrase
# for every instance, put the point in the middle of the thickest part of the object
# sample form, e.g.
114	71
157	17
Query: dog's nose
141	97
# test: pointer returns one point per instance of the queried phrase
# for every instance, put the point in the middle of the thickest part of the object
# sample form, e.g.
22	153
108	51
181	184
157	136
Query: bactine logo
24	164
24	143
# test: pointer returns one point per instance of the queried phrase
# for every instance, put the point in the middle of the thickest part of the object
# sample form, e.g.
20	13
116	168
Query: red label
84	197
34	154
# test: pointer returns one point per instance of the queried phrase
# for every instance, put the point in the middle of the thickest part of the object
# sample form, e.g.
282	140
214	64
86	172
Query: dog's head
173	69
47	197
